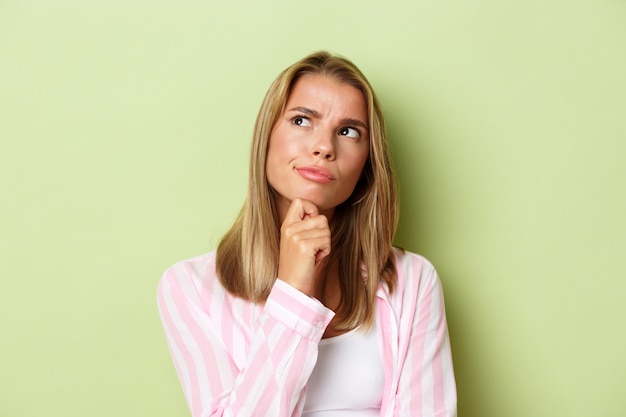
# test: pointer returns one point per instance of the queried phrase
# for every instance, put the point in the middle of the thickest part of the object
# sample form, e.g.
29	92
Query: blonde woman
306	308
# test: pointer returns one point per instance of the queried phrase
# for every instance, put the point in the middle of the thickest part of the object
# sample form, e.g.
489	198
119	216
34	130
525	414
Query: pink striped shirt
236	358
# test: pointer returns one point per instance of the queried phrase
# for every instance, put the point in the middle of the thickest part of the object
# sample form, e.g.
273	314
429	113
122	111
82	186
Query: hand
304	242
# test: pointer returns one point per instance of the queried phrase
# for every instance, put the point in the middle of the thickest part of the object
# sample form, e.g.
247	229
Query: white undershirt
348	378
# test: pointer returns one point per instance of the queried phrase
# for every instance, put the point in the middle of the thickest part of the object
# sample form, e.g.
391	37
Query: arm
426	386
280	358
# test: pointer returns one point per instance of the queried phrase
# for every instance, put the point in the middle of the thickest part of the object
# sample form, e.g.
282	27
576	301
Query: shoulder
190	278
412	265
415	274
197	268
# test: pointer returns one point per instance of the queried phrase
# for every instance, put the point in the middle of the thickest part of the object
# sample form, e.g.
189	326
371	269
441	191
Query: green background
125	127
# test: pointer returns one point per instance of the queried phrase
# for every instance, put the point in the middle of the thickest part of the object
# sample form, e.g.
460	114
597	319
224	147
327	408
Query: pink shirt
236	358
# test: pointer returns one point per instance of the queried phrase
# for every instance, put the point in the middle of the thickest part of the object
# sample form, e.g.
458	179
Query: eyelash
356	129
302	117
293	119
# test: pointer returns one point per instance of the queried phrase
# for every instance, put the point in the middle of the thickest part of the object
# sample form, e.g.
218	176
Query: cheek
360	162
280	152
281	149
274	148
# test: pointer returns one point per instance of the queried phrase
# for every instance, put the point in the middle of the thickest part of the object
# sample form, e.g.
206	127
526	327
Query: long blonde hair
362	227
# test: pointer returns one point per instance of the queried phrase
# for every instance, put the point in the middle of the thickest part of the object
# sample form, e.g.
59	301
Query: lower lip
314	176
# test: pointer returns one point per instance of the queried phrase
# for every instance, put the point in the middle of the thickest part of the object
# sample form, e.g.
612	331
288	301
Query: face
319	144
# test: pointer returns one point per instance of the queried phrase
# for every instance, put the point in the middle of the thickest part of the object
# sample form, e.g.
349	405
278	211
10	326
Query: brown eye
300	121
350	132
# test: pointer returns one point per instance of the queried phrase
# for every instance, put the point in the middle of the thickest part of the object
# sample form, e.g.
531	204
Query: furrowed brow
317	115
355	122
307	111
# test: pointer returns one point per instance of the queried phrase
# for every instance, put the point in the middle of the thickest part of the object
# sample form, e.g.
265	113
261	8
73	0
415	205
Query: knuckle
287	229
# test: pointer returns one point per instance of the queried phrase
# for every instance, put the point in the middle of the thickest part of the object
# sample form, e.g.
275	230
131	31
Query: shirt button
319	324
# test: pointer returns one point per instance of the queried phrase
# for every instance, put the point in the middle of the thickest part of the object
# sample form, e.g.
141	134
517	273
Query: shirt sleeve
426	385
281	354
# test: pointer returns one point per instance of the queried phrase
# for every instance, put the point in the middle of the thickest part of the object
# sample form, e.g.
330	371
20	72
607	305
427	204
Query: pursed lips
317	174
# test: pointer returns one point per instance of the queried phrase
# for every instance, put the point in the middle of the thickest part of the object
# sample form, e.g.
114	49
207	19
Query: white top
348	377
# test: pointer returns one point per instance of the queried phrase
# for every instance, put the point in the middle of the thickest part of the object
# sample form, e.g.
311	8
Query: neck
328	289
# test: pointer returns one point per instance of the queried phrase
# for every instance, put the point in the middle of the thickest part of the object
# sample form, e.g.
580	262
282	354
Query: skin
316	153
324	126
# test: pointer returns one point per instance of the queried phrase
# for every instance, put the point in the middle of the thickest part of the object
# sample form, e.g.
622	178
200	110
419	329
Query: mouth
316	174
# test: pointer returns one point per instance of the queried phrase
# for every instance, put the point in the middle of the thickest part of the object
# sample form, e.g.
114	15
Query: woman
306	309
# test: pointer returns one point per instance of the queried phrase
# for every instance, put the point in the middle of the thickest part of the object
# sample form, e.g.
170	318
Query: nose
324	147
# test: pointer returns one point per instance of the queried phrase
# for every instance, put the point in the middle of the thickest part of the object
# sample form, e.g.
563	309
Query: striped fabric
235	358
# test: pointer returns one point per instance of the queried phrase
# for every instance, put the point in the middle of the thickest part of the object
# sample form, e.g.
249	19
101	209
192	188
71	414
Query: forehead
327	93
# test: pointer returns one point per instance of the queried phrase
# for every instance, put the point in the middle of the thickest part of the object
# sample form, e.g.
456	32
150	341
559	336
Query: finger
310	209
321	254
319	222
314	239
299	209
314	244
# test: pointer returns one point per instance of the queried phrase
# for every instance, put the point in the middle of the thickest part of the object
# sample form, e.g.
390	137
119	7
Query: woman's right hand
304	242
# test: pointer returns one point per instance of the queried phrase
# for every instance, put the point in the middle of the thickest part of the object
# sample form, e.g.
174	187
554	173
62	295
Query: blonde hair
362	227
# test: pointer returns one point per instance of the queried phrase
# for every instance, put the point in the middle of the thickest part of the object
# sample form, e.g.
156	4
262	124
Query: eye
301	121
350	132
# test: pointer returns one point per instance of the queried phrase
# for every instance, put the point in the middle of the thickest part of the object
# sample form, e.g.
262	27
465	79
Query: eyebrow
318	115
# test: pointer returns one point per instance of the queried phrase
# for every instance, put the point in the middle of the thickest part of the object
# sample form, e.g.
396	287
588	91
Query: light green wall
124	129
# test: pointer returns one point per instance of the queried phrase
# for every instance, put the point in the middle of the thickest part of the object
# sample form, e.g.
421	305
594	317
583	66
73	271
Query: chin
323	204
